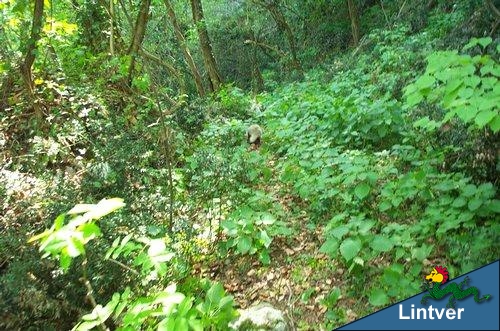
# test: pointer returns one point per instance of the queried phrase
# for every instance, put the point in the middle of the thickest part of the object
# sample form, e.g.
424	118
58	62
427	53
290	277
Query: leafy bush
167	308
247	233
465	86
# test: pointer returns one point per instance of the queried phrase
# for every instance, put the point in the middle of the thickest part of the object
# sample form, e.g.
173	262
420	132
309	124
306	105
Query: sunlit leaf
378	297
362	190
350	248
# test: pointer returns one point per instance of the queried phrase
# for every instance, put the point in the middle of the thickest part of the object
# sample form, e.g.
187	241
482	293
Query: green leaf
362	190
226	302
265	239
196	324
425	81
474	204
459	202
473	42
381	243
484	117
495	124
215	293
65	262
378	297
422	252
350	248
484	41
494	206
469	190
339	231
181	324
244	244
75	247
414	99
80	208
264	257
384	205
330	247
267	219
106	206
90	231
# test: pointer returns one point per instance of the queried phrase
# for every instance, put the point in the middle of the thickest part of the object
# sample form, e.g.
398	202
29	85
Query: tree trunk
112	29
279	18
353	15
185	50
206	47
258	81
29	54
139	31
169	67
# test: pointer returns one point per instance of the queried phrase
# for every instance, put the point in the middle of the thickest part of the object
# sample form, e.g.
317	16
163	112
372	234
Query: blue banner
468	302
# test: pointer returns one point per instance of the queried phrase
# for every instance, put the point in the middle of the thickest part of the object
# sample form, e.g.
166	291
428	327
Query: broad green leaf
474	204
469	190
362	190
215	293
244	244
90	231
484	41
494	206
106	206
378	297
265	239
80	208
471	81
466	113
267	219
75	247
484	117
264	257
381	243
384	205
181	324
414	99
459	202
495	124
226	302
339	231
422	252
65	262
350	248
330	247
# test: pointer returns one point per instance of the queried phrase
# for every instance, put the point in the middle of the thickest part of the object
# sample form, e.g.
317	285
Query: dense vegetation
131	200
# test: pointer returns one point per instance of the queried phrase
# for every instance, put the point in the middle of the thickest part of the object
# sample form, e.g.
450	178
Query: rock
261	317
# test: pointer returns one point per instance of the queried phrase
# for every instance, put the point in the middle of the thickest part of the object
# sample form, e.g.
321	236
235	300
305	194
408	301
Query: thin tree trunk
353	14
127	15
206	47
139	31
29	54
279	18
112	29
169	67
256	73
185	50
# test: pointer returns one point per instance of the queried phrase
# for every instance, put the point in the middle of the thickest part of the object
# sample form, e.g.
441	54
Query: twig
124	266
383	11
90	292
401	9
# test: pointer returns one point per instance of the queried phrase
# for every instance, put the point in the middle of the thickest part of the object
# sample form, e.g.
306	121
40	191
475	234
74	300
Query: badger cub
254	134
